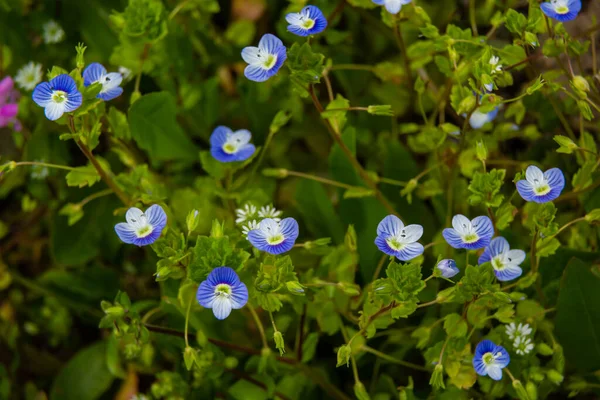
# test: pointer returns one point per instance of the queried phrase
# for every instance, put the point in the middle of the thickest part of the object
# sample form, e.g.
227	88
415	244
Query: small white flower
52	32
246	213
29	76
523	345
494	62
514	331
270	212
39	171
125	72
248	227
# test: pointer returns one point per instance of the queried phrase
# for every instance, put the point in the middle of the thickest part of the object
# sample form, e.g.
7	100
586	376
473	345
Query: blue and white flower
395	239
274	237
29	76
249	226
392	6
467	234
490	359
270	212
142	228
447	268
110	82
478	119
541	187
561	10
229	146
265	60
58	96
506	262
309	21
52	32
222	291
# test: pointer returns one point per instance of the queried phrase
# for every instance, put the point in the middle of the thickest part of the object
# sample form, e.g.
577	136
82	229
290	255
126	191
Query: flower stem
391	359
259	326
319	179
41	164
187	320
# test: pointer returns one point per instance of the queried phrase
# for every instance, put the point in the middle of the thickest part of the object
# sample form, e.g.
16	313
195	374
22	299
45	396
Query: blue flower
309	21
222	291
506	262
142	228
392	6
541	187
274	237
395	239
110	82
561	10
229	146
265	60
447	268
479	119
490	359
470	235
58	96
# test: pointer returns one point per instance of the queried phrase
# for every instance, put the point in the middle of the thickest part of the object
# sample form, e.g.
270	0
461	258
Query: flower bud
278	173
581	83
360	391
294	287
544	349
279	343
192	220
437	378
350	239
189	357
343	355
555	377
521	392
350	289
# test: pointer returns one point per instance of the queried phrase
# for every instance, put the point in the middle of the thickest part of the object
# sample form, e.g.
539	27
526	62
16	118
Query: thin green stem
402	47
187	320
94	196
379	267
352	67
319	179
472	17
391	359
392	182
41	164
259	326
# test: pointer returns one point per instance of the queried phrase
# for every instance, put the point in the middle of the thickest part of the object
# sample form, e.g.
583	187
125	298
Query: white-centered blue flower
447	268
274	237
478	119
52	32
29	76
490	359
309	21
506	262
541	187
561	10
229	146
142	228
395	239
392	6
110	82
467	234
58	96
222	291
249	226
265	60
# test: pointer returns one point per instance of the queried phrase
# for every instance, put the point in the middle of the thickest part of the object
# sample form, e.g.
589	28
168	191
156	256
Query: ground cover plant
338	199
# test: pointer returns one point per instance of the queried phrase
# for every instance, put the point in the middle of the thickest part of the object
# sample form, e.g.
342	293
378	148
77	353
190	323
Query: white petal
462	224
135	217
250	55
533	173
221	307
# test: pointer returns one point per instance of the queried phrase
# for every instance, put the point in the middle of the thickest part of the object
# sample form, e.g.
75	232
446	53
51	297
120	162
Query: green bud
116	311
216	231
360	391
554	376
350	239
531	39
279	343
79	61
544	349
537	376
192	220
593	216
384	110
279	173
446	294
343	355
201	338
105	305
9	166
294	287
437	378
531	390
566	144
467	105
189	357
481	151
350	289
230	362
503	297
581	83
280	119
521	392
408	189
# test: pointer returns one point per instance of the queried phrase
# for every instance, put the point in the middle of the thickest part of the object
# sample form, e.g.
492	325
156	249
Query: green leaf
485	188
455	325
85	176
84	377
578	316
154	127
305	65
210	253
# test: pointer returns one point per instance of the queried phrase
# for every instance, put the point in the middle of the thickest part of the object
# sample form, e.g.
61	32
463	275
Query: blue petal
92	73
484	227
555	179
280	248
498	246
382	245
485	346
453	238
239	296
526	190
244	152
270	43
111	94
63	82
479	366
42	94
504	359
219	136
298	30
509	273
410	251
125	232
390	225
205	294
224	275
258	74
448	268
379	2
258	239
146	240
486	256
156	217
289	229
74	100
219	155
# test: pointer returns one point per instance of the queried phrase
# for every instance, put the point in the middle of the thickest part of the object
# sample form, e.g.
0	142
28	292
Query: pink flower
8	103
